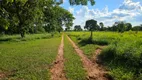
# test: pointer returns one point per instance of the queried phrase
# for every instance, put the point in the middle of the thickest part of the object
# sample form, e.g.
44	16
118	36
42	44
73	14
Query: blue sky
107	11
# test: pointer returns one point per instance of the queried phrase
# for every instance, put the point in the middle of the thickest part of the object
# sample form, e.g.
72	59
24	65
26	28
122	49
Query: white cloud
128	11
64	0
130	5
71	10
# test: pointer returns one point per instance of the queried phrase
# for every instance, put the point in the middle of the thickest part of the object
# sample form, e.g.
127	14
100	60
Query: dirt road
57	71
94	72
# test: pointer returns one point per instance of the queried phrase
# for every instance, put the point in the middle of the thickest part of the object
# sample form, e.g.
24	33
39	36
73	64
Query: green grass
73	65
88	49
123	56
17	38
28	60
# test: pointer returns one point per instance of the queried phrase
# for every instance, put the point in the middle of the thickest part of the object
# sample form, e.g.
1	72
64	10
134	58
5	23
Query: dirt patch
2	75
6	74
57	72
94	71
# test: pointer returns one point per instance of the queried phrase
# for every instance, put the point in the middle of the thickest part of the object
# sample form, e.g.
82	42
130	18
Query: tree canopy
32	16
77	28
91	25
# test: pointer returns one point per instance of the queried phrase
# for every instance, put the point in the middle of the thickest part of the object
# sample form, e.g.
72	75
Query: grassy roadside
88	49
17	38
73	65
28	60
122	56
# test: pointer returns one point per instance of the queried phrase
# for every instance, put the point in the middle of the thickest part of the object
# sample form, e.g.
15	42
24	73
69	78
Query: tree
23	12
102	26
128	26
136	29
59	29
140	27
120	26
4	24
77	28
77	2
55	21
91	25
31	16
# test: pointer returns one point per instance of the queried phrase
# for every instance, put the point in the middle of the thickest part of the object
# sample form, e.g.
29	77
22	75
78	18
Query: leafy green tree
24	12
102	26
120	26
4	24
136	29
77	28
59	29
128	26
55	21
77	2
140	27
91	25
33	16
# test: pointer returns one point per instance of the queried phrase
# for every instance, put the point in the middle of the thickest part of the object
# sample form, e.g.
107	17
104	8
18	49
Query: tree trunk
22	32
91	36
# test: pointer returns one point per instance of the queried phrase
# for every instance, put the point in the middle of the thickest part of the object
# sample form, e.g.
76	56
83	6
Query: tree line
35	16
120	26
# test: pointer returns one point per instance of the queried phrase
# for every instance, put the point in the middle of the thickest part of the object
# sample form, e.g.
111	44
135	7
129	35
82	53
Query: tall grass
123	56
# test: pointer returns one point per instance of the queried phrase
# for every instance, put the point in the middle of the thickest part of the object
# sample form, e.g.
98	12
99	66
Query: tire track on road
94	72
57	71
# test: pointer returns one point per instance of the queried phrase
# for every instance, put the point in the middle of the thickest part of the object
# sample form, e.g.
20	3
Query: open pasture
121	53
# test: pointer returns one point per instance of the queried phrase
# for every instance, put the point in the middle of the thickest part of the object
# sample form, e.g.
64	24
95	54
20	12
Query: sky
107	11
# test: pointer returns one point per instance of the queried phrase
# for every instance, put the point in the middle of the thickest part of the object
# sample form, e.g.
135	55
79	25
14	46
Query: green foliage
55	21
128	26
77	28
102	26
91	25
33	16
81	2
4	24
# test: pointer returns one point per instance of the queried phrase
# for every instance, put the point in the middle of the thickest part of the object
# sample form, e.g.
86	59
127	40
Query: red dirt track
57	72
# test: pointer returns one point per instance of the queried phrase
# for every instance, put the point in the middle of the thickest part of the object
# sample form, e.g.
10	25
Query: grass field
28	59
31	58
73	65
17	38
123	53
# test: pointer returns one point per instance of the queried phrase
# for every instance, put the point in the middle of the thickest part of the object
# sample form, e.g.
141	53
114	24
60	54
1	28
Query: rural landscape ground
68	56
70	39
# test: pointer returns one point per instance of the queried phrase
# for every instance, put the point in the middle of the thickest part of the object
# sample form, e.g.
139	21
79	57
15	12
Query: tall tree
21	16
128	26
121	26
102	26
91	25
77	28
24	12
77	2
55	21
